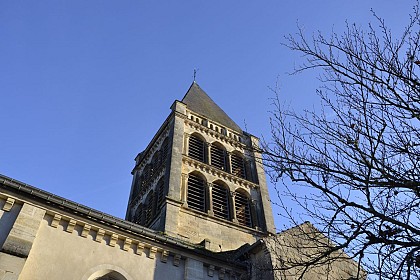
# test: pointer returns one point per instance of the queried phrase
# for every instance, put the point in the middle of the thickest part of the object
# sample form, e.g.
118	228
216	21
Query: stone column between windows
232	202
208	153
229	162
210	199
184	187
186	143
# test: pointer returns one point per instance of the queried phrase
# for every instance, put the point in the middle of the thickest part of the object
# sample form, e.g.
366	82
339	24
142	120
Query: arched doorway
106	272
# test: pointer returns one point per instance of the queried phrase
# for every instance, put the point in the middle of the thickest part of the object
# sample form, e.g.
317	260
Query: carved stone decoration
164	257
152	252
8	204
177	259
127	244
113	240
70	226
222	272
140	249
85	231
100	235
210	271
56	220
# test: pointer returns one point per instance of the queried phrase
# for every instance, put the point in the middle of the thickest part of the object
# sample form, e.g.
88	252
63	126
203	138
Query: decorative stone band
125	243
215	134
219	173
107	237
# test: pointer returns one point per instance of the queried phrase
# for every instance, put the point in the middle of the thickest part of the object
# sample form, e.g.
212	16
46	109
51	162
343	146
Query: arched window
218	156
238	165
242	208
196	148
220	197
138	215
147	172
142	184
137	185
196	195
160	193
155	162
165	149
149	208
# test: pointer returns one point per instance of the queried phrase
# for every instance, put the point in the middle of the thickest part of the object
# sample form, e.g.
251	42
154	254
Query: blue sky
84	85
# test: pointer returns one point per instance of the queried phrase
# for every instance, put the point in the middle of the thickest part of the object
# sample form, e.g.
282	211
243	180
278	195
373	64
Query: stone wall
288	253
44	244
220	235
19	224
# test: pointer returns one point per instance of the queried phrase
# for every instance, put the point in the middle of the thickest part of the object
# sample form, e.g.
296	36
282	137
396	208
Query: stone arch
243	191
106	272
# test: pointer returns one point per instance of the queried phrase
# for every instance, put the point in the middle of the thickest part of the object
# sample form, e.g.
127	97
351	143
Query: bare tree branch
357	160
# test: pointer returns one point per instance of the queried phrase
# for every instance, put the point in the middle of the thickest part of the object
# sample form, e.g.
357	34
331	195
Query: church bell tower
201	178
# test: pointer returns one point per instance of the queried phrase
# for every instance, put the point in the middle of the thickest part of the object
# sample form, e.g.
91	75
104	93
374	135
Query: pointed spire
198	101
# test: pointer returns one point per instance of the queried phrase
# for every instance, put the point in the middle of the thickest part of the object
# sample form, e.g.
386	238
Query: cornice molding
218	173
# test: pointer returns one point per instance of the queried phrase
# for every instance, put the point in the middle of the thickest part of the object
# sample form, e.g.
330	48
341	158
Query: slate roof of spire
198	101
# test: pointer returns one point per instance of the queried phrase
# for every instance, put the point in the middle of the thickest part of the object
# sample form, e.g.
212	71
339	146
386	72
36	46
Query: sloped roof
198	101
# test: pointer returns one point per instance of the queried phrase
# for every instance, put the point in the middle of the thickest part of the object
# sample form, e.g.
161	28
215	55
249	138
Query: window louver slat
218	158
220	202
160	193
243	213
165	149
138	214
238	166
196	148
196	193
149	209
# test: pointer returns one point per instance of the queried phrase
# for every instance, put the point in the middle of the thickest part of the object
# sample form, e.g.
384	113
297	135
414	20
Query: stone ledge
219	173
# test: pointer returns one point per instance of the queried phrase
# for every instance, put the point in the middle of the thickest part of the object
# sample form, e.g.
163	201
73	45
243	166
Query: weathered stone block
20	239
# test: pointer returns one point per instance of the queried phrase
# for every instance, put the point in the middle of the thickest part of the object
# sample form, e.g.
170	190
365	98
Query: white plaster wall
57	254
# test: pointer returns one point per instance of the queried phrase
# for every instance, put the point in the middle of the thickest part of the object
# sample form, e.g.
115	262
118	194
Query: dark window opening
218	157
160	192
165	149
238	166
243	211
149	209
220	196
138	215
196	195
196	149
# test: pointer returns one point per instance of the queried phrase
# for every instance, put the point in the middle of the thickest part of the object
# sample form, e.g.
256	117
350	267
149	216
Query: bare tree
358	158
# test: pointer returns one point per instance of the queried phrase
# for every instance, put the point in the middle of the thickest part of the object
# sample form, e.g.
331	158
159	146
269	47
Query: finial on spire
195	73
